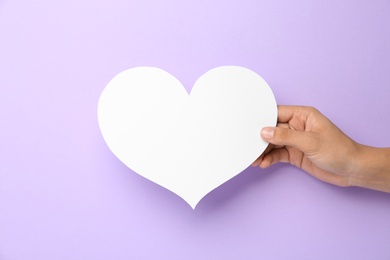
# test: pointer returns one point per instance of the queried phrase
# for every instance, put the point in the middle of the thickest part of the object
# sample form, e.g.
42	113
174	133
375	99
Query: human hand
307	139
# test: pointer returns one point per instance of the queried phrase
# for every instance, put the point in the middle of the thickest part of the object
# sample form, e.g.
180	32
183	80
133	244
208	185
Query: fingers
269	148
260	158
275	156
303	141
286	113
290	119
283	155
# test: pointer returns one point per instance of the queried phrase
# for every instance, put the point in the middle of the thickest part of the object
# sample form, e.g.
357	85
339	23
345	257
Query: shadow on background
361	195
254	177
238	185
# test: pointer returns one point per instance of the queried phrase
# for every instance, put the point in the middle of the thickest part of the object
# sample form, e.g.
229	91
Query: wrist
371	168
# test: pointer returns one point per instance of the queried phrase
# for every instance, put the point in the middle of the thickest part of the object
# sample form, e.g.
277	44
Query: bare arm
372	169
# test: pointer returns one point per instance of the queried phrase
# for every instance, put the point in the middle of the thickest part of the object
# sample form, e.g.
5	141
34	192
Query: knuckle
312	110
280	135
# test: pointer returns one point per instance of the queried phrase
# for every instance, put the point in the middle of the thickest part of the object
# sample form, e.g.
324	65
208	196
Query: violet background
64	195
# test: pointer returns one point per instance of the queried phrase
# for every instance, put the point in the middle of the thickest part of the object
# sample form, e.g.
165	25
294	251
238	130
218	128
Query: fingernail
267	133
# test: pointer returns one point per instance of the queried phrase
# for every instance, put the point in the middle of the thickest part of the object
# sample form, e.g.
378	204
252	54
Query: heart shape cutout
189	144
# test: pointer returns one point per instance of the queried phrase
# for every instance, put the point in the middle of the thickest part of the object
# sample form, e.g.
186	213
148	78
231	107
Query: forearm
372	169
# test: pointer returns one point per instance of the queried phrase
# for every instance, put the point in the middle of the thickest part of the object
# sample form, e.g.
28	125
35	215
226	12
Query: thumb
303	141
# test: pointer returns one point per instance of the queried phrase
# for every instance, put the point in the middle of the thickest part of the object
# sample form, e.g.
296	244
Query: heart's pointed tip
193	202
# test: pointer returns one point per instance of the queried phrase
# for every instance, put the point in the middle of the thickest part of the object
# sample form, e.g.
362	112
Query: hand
307	139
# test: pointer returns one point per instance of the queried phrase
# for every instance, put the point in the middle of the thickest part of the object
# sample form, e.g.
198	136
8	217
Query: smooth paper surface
187	143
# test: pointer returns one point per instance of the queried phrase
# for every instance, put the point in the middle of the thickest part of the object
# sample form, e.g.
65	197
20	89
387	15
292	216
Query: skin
307	139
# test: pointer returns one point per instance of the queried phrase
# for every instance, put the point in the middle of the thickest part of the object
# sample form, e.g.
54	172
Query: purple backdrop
64	195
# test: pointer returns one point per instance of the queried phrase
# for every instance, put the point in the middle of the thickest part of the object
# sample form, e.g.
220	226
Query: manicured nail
267	133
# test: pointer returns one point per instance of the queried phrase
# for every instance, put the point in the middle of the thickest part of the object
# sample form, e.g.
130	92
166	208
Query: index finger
286	113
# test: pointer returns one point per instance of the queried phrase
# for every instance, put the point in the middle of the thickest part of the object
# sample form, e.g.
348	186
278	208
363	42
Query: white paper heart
189	144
